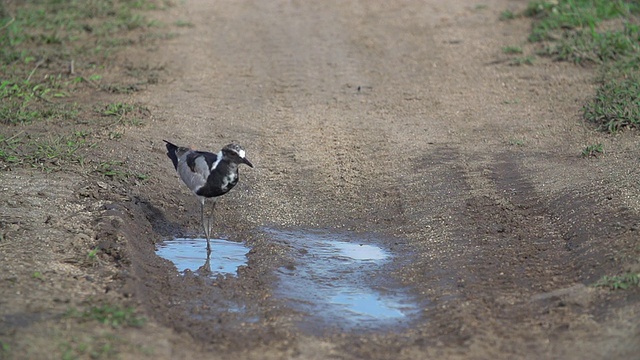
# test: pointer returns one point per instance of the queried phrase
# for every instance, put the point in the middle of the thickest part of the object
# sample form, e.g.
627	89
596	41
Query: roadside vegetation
600	33
63	96
103	340
111	315
57	81
619	281
604	35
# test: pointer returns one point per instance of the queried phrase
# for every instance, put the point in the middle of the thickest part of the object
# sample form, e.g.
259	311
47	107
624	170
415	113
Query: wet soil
399	125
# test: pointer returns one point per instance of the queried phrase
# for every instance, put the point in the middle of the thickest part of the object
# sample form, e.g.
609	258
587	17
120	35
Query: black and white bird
207	174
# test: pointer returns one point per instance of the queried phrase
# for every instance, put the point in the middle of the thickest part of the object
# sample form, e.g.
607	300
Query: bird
208	175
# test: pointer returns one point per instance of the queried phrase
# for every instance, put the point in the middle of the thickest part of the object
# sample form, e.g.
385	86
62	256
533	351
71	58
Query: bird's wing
194	168
171	153
210	159
175	152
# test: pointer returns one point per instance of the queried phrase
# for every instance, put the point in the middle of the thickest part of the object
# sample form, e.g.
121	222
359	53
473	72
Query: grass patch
184	23
9	149
24	102
127	114
604	33
522	60
593	150
5	348
47	152
97	347
116	170
59	149
616	104
52	51
60	29
507	15
619	281
512	50
590	46
553	18
111	315
114	135
92	254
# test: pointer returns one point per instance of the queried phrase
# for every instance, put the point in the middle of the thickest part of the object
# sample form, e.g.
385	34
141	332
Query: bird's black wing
208	157
171	153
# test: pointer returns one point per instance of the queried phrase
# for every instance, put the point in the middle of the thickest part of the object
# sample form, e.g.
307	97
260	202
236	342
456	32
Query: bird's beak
246	161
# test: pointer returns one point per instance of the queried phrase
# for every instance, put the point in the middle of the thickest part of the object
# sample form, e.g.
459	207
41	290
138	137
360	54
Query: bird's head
236	153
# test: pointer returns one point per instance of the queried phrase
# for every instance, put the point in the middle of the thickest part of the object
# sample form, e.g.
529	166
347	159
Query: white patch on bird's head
235	148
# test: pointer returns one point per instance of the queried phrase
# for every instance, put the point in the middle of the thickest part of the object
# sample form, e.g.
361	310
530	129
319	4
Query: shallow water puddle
191	254
341	283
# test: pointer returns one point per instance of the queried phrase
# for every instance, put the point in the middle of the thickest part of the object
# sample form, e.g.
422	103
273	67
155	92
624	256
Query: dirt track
402	120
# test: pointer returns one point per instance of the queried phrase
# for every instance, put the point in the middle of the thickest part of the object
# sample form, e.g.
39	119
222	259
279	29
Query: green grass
5	348
590	46
522	60
616	104
52	51
183	23
47	152
92	257
116	170
114	316
92	254
507	15
57	151
124	113
98	347
593	150
601	33
619	281
9	149
558	16
512	50
63	25
23	102
115	135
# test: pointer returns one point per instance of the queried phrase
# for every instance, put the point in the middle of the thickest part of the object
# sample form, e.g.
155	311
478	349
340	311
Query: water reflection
191	254
341	282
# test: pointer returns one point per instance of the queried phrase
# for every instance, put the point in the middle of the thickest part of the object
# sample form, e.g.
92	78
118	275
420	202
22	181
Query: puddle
342	283
191	254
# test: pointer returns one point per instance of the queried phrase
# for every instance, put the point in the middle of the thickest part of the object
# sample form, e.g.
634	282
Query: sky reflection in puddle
191	254
341	283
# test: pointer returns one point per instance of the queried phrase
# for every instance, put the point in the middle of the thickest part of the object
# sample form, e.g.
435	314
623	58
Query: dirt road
403	125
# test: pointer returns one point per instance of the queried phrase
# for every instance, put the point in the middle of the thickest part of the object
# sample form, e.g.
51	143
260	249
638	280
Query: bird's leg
210	224
208	230
207	227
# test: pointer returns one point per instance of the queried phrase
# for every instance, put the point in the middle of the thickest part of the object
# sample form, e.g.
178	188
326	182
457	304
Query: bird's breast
218	184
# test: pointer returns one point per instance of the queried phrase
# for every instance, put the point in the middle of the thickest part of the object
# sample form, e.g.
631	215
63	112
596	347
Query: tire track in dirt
498	249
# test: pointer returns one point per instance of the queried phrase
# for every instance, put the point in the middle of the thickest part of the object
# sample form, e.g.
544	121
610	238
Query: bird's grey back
194	167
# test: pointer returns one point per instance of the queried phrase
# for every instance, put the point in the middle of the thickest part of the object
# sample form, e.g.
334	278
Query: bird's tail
171	153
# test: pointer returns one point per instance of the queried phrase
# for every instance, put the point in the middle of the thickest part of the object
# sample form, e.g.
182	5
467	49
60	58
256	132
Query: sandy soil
399	119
